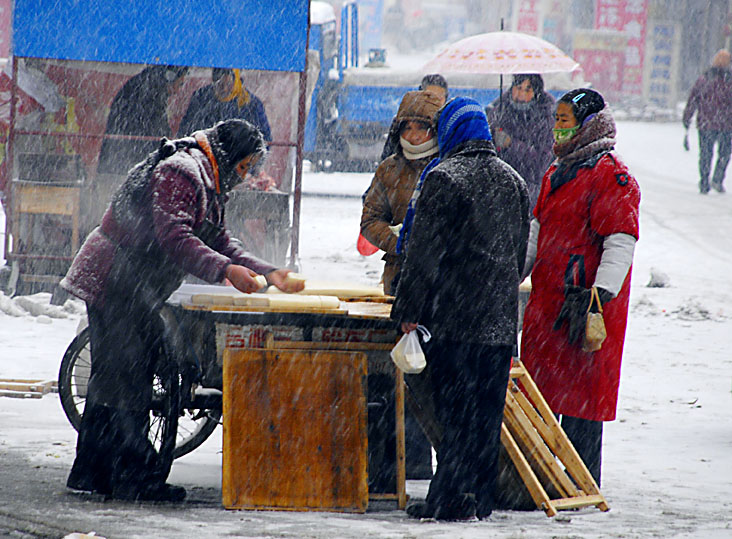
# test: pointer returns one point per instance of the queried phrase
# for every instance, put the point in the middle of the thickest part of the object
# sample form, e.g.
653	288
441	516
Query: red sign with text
628	16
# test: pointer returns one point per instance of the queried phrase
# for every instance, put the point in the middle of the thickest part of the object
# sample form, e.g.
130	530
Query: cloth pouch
595	333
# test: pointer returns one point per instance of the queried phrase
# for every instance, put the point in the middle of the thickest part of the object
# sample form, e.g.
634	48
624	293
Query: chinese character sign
528	17
628	16
662	56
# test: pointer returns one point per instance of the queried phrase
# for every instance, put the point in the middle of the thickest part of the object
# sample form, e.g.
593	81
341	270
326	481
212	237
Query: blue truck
352	107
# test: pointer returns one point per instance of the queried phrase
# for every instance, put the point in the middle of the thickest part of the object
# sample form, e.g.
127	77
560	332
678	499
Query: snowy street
667	466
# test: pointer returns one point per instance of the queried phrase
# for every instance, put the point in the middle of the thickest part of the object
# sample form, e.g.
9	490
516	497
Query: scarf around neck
238	91
594	138
413	152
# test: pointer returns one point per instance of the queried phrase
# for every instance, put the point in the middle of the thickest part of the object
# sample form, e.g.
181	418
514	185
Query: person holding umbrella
521	122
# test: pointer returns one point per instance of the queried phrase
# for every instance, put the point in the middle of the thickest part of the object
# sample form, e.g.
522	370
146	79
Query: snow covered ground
667	469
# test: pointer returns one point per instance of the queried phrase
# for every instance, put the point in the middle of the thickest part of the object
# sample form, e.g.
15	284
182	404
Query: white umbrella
502	53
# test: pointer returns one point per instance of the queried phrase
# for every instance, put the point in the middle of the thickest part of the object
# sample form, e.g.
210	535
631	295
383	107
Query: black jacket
139	108
466	250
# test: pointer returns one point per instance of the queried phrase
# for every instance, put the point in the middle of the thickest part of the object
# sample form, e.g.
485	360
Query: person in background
165	221
434	83
521	122
384	207
138	108
711	100
225	98
464	257
583	236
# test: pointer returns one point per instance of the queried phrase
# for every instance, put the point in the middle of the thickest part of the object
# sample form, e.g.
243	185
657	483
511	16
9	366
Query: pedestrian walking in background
465	255
521	123
711	100
583	236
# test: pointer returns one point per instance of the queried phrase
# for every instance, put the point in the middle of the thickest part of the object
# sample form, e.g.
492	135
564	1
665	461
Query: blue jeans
707	140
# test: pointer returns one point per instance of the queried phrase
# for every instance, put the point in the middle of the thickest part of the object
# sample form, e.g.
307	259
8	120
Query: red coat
574	220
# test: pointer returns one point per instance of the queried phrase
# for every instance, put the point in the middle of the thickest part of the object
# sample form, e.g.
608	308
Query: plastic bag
407	354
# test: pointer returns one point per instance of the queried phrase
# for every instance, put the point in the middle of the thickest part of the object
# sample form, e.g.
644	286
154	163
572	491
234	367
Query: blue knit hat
460	120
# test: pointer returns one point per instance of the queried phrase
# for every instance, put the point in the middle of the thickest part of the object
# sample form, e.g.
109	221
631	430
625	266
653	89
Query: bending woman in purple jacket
165	221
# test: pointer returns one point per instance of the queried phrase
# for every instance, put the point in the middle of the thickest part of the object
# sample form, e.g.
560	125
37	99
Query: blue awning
248	34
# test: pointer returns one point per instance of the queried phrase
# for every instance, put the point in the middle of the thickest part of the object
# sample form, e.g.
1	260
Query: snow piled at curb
39	306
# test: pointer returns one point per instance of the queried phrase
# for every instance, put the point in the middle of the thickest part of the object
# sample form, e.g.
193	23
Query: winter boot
420	509
461	507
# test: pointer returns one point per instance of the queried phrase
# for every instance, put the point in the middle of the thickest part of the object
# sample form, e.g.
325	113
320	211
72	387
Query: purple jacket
530	151
161	243
711	99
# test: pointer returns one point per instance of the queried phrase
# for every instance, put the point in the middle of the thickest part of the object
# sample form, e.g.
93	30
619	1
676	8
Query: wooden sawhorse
541	451
537	446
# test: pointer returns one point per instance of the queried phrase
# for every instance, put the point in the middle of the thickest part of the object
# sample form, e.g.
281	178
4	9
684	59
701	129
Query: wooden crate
295	430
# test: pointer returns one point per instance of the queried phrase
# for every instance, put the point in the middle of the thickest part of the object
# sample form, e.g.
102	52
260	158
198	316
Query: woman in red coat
583	236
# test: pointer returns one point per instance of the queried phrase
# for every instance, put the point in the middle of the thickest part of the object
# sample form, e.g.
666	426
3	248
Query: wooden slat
581	501
536	490
535	449
39	386
331	345
400	432
560	444
20	394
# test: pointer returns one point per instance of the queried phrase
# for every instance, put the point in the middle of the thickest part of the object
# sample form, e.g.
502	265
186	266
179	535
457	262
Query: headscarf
461	119
230	142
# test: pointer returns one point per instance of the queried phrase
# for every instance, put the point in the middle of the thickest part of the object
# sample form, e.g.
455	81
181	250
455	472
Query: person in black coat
226	98
465	250
139	108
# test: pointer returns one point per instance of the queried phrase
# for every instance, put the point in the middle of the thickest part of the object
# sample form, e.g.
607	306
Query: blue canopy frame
267	35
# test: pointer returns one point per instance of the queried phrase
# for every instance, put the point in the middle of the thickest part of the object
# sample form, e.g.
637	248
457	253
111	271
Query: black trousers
707	140
113	452
469	383
586	437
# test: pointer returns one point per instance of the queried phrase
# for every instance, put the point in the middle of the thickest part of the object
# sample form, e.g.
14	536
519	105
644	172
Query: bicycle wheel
73	377
194	426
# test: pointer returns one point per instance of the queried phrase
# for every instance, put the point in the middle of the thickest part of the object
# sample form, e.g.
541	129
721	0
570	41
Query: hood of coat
418	105
596	135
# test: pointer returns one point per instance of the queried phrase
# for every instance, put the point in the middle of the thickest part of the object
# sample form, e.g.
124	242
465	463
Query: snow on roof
321	12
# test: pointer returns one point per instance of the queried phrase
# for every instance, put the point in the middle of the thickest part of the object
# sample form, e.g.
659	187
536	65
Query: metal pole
9	154
297	196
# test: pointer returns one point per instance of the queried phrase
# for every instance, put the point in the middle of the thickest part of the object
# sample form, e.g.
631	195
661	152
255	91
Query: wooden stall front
296	402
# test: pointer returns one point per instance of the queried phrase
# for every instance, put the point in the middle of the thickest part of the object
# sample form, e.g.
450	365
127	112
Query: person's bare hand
279	279
242	278
409	326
